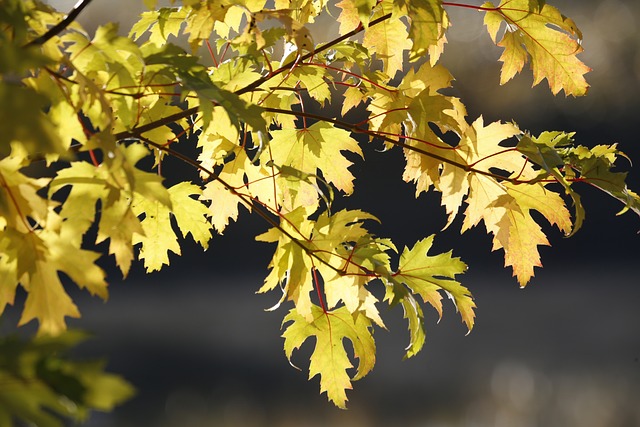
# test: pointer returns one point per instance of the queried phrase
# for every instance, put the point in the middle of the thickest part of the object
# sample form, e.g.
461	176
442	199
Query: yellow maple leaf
329	358
335	248
158	236
291	265
483	190
539	32
316	148
201	21
428	275
118	224
350	14
348	251
77	263
505	209
190	214
479	148
225	200
429	21
46	300
519	234
19	199
388	39
224	204
424	106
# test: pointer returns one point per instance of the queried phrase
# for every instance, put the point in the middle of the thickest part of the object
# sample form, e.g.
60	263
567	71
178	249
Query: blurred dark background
565	351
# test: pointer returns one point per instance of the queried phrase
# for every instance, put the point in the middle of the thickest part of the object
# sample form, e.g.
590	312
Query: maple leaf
481	148
348	252
118	224
158	237
329	358
427	276
113	183
540	32
336	246
291	264
194	77
595	168
397	293
543	151
160	24
201	20
313	80
519	234
317	147
429	21
503	206
352	98
424	110
88	184
19	199
417	105
46	300
389	39
44	387
189	213
79	264
353	13
224	204
225	192
553	151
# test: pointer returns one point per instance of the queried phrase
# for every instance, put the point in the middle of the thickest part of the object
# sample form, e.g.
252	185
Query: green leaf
595	167
43	387
543	151
428	275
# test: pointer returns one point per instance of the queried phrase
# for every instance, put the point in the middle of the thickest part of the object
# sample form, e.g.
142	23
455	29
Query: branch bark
60	26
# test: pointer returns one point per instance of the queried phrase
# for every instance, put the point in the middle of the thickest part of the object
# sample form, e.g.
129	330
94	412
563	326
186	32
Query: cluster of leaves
89	120
39	386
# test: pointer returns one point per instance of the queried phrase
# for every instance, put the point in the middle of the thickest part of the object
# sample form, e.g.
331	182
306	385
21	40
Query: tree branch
60	26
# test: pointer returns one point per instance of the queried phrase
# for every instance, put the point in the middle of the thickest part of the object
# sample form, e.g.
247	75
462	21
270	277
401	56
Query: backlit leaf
538	32
329	358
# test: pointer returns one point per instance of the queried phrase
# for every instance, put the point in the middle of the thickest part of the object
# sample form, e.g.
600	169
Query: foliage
89	120
39	386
